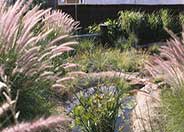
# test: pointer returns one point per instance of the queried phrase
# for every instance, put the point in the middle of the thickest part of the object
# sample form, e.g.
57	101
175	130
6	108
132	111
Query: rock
144	114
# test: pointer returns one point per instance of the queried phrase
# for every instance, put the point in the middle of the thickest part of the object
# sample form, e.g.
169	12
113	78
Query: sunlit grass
101	59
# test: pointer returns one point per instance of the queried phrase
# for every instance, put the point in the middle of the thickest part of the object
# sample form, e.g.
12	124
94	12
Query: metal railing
87	35
102	35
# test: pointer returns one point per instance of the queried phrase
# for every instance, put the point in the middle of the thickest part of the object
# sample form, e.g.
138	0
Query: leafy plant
138	23
113	34
170	20
95	28
99	112
130	20
155	30
149	27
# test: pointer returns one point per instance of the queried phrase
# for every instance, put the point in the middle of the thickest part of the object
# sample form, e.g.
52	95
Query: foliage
170	20
149	27
170	66
34	102
146	27
130	20
173	110
29	48
99	112
87	45
114	34
154	49
166	18
126	44
155	30
100	59
171	69
181	18
95	28
133	22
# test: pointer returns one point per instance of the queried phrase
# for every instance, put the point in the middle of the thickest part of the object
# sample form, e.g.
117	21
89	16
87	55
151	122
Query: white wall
133	1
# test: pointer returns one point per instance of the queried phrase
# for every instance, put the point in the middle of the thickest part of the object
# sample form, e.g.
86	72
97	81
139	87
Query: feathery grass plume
60	22
28	47
9	103
38	125
170	65
5	106
18	39
170	62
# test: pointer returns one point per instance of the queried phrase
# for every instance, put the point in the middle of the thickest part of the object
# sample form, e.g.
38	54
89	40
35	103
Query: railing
87	35
102	34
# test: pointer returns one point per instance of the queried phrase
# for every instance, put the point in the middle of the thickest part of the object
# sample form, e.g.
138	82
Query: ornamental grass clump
29	48
98	59
169	65
170	62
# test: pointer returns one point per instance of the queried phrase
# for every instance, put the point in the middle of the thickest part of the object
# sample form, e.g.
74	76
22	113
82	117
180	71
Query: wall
52	3
147	2
90	14
71	1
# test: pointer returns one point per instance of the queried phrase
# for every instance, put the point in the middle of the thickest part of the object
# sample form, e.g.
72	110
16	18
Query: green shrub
149	27
170	20
114	32
137	23
155	31
99	111
166	17
130	21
